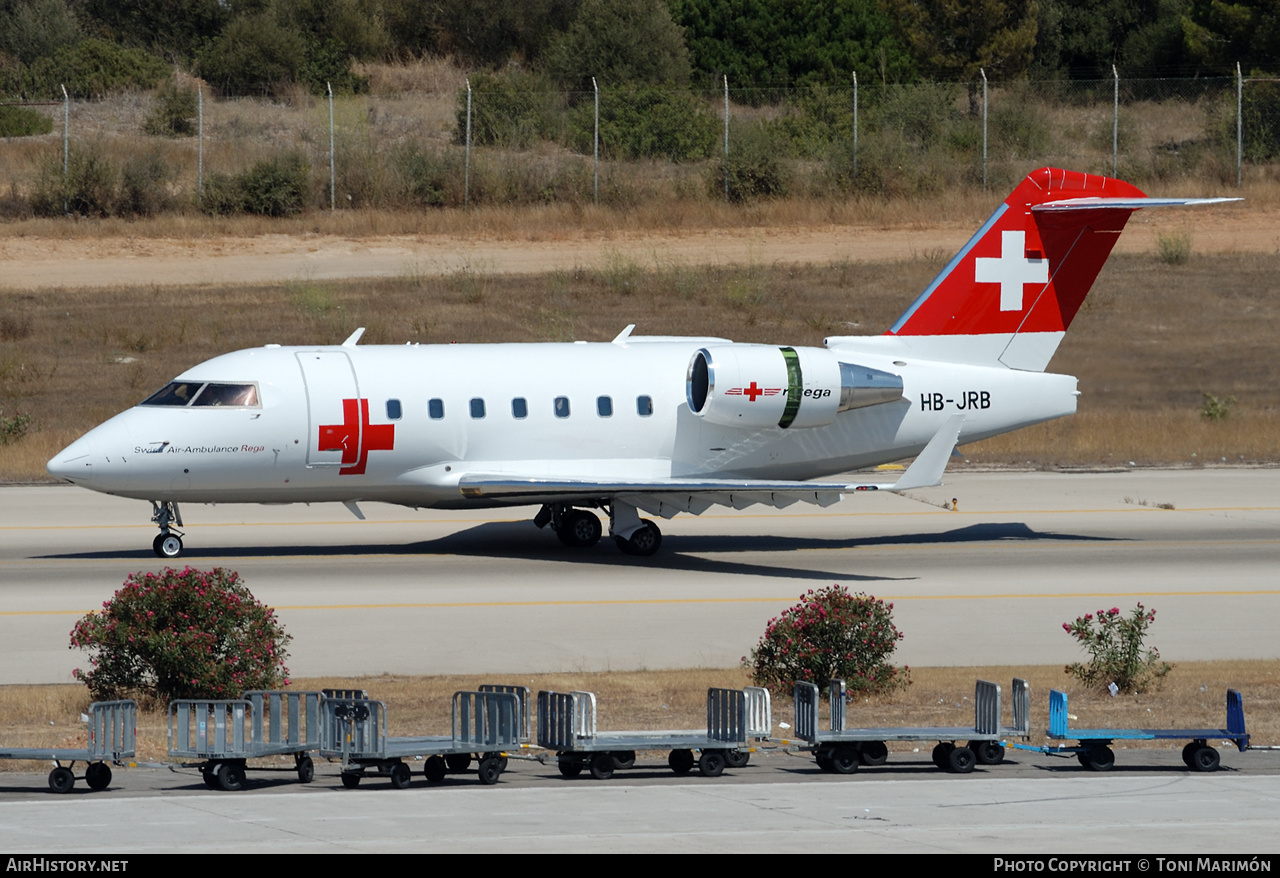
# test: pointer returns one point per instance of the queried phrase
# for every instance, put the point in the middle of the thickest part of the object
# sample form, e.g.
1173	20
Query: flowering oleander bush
181	634
1116	654
830	634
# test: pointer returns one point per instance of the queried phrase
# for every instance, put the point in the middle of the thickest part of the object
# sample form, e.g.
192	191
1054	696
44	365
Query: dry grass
1149	343
1193	695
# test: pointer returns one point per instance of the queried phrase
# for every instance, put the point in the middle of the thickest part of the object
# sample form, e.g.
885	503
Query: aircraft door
334	429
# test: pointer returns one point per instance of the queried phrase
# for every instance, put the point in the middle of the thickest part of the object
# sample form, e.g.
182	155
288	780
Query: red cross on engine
345	437
752	392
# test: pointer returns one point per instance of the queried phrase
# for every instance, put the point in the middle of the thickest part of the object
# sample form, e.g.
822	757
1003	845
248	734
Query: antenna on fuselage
354	338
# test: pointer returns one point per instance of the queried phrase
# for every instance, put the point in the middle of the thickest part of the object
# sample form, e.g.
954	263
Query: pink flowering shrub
181	634
1116	655
830	634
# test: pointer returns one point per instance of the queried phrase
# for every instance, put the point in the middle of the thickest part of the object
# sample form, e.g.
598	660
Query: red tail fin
1026	272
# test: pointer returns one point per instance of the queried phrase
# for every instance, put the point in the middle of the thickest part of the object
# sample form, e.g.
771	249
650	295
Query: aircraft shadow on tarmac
520	540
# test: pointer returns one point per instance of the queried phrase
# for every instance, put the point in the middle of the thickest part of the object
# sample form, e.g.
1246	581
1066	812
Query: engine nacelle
754	386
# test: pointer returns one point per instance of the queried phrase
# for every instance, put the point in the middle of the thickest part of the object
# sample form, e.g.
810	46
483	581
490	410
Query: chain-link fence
501	140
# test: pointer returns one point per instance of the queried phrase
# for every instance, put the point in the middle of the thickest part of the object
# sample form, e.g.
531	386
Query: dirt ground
32	262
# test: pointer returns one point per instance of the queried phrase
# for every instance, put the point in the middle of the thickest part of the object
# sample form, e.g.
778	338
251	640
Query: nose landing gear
168	544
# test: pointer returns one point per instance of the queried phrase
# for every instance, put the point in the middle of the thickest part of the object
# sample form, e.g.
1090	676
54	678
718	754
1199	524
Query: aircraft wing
667	497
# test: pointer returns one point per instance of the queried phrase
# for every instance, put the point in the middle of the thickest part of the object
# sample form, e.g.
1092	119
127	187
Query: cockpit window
196	393
227	395
174	393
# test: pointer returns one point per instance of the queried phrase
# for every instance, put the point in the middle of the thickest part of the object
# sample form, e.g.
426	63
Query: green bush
831	634
641	122
144	185
90	186
181	634
1115	646
255	54
94	68
756	167
513	109
277	186
14	428
23	122
174	114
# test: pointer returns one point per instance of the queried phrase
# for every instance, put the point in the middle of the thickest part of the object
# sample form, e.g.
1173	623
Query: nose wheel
168	544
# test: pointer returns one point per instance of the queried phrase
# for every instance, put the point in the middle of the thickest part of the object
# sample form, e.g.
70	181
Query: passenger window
435	409
393	410
644	406
604	406
477	408
519	408
562	406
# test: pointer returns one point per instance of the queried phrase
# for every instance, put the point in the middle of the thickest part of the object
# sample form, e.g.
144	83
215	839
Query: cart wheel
400	776
1205	759
490	769
435	769
844	760
351	781
230	776
457	762
824	761
1189	752
680	761
569	767
737	758
624	759
942	754
602	766
1099	758
874	753
961	760
711	763
306	770
987	752
61	780
208	776
98	776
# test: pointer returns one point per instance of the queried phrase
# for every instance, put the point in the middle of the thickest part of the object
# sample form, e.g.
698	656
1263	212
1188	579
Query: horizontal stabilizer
1125	203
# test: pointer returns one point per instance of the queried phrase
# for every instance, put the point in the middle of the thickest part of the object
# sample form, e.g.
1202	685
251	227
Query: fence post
595	144
726	138
199	142
466	175
855	124
1115	122
333	205
1239	126
984	128
66	144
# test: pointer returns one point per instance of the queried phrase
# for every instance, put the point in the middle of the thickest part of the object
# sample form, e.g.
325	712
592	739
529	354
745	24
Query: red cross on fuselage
752	392
345	437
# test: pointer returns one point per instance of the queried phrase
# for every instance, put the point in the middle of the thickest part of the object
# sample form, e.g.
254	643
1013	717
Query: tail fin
1011	292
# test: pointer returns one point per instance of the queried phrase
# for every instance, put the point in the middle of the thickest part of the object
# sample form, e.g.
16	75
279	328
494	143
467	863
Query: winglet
624	335
926	470
354	338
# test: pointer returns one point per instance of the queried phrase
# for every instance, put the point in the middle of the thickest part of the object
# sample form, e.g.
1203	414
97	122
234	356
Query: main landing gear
580	529
168	544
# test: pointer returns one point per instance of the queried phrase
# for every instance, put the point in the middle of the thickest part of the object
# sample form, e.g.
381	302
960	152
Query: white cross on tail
1011	270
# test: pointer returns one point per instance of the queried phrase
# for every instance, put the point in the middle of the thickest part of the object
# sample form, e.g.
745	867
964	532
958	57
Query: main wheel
167	545
987	752
602	766
1098	758
711	763
1205	758
230	776
624	759
457	762
350	781
961	760
61	780
490	769
874	753
434	769
98	776
845	760
737	758
579	529
401	775
680	761
942	753
644	542
569	767
306	770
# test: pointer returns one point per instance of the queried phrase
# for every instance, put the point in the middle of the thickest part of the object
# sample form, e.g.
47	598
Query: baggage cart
112	736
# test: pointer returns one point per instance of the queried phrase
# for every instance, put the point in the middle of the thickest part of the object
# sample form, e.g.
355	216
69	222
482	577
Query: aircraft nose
74	463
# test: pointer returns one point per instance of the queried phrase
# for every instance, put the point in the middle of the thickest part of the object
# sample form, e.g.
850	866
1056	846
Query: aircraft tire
644	542
167	545
579	529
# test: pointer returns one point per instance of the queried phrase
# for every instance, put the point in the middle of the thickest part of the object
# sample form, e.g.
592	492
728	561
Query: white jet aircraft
659	424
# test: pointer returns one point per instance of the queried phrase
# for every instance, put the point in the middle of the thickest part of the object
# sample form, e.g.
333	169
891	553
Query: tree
181	634
620	42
